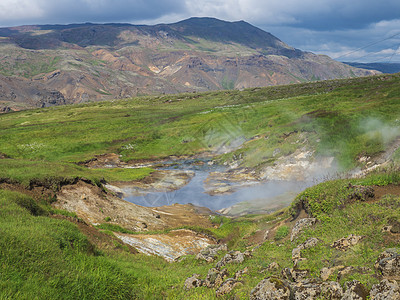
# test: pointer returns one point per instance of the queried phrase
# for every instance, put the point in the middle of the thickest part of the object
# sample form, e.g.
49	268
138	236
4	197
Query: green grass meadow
43	257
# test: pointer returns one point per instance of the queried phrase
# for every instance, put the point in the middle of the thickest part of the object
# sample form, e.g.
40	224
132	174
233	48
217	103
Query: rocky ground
297	283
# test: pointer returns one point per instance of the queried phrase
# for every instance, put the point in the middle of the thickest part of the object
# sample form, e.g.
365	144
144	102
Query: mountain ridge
91	62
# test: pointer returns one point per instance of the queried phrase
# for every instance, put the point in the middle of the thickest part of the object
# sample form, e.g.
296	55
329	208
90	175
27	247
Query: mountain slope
93	62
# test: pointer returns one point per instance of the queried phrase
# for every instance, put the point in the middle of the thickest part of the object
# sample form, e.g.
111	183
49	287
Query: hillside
66	232
89	62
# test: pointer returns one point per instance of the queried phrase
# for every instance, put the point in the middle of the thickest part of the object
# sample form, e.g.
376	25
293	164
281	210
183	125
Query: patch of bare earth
170	246
390	189
95	206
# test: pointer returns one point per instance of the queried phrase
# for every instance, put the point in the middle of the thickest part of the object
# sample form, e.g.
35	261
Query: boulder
300	226
193	282
344	244
210	252
232	257
394	225
273	266
226	287
296	252
355	290
308	289
331	290
388	263
385	290
294	274
271	289
215	277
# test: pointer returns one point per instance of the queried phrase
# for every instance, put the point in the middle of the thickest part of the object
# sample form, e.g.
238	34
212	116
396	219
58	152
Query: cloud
375	42
23	12
309	14
16	10
332	27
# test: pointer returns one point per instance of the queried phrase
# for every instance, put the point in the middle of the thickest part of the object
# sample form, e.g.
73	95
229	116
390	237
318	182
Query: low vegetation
46	253
62	261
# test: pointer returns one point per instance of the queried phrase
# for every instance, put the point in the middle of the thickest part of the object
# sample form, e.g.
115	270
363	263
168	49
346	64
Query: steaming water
257	195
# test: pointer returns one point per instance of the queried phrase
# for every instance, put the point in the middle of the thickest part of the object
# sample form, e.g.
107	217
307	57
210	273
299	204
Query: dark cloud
333	27
377	42
355	14
18	12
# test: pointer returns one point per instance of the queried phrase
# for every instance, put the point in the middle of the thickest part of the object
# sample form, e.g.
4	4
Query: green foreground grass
47	258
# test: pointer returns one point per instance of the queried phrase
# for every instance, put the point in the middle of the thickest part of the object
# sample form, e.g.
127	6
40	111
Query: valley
269	159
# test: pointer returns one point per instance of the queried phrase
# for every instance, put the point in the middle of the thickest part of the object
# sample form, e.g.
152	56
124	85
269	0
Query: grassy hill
343	118
46	253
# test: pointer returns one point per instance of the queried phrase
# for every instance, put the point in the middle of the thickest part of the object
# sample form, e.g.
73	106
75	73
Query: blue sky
339	28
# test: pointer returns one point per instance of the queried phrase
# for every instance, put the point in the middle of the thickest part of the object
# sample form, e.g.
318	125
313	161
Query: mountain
389	68
88	62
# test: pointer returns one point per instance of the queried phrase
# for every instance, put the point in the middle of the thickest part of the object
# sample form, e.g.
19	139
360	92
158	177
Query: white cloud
17	10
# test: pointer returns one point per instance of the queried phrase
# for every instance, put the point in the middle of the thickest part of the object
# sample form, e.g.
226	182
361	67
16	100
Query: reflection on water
194	193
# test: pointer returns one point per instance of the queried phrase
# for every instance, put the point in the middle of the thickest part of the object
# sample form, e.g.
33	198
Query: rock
326	272
273	266
271	289
300	226
386	228
394	226
193	282
385	290
296	252
388	263
307	290
294	274
343	272
239	273
355	290
233	257
344	244
215	277
226	287
209	253
331	290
